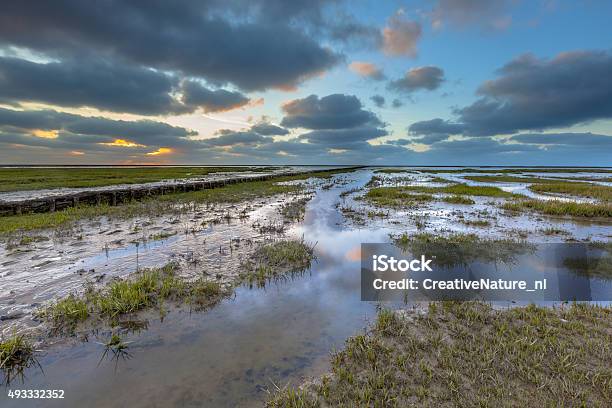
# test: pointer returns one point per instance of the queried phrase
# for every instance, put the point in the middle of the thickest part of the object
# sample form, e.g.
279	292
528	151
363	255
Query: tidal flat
249	294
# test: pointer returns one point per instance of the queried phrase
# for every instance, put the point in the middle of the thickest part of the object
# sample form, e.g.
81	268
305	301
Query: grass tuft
16	355
276	259
149	288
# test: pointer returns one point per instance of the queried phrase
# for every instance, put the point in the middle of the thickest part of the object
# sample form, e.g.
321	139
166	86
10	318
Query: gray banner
525	272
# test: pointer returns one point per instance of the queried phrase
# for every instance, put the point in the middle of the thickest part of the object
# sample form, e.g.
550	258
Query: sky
421	82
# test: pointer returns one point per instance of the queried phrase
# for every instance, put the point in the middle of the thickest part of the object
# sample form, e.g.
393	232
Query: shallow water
260	338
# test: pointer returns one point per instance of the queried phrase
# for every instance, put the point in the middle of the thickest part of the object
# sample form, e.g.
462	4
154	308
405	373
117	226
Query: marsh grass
396	197
468	354
148	288
16	355
394	170
509	179
36	178
520	170
294	210
116	347
276	259
587	190
410	196
165	204
561	208
457	199
477	223
161	235
597	265
461	249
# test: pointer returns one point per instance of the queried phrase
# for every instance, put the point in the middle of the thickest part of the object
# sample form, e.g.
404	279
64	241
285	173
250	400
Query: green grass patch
462	249
275	260
476	223
509	179
396	197
457	199
519	170
148	288
161	235
394	170
18	179
407	196
16	355
587	190
468	354
561	208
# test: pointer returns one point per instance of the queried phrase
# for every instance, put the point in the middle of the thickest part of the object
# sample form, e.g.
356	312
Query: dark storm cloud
462	13
430	139
420	78
570	139
435	126
475	146
194	94
89	82
107	85
234	138
342	138
194	38
378	100
260	133
337	111
88	129
534	94
268	129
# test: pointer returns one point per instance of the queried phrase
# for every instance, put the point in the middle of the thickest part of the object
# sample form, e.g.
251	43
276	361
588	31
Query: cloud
219	100
535	94
343	138
99	83
367	70
487	14
396	103
232	138
200	39
259	133
337	111
475	146
420	78
430	139
567	139
378	100
108	85
400	36
76	131
435	126
268	129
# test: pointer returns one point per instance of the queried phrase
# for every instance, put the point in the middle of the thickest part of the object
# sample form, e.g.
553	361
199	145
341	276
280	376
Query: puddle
282	333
